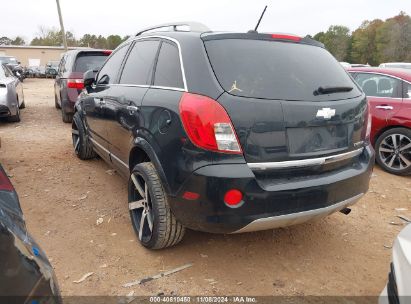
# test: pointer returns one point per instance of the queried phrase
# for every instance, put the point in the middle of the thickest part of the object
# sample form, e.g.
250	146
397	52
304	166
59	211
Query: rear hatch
288	99
84	61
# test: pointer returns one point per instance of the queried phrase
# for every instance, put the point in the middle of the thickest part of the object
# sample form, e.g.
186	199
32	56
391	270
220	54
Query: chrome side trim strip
108	152
297	218
305	162
119	160
99	146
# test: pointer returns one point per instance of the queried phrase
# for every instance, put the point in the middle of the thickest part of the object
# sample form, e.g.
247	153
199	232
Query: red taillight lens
207	124
75	84
107	52
368	123
5	183
286	37
233	198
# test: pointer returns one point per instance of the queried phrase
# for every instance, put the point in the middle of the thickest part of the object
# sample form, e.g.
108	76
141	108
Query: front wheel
393	151
16	118
152	219
81	143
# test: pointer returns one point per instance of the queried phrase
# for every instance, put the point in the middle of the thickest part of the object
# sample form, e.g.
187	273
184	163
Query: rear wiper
329	90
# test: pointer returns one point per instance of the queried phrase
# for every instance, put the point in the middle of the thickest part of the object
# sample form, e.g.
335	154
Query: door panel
384	95
94	107
123	118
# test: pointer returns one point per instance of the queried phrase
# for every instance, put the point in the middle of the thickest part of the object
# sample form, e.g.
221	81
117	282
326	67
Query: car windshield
89	61
278	70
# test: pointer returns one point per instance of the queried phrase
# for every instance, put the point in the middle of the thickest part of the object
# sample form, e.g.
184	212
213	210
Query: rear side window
377	85
89	61
168	69
138	68
276	70
109	72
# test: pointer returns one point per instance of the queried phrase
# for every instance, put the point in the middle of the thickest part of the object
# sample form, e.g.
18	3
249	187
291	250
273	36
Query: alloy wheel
141	207
395	151
75	134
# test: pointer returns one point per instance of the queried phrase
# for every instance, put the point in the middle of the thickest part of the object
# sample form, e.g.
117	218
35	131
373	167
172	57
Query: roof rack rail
194	27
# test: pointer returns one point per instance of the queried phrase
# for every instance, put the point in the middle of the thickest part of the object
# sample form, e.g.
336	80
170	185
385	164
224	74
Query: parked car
69	80
400	65
226	133
398	289
52	69
389	93
13	65
26	274
11	95
31	71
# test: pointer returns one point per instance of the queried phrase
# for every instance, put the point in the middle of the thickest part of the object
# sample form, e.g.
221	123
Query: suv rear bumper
267	207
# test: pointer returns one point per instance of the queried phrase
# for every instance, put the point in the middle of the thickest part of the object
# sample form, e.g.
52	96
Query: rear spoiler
268	37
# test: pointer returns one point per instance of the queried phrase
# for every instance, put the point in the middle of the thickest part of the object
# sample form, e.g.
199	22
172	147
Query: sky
125	17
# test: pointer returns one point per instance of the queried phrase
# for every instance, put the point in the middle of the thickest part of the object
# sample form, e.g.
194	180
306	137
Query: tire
23	104
393	151
67	117
56	104
15	118
165	230
81	143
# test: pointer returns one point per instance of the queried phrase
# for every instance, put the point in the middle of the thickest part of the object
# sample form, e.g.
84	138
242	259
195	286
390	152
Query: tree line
373	42
54	37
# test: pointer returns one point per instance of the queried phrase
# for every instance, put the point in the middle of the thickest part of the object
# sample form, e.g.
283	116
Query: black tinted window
379	85
139	65
89	61
168	70
276	70
109	72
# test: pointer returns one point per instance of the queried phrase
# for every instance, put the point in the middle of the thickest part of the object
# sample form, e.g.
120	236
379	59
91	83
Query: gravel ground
62	198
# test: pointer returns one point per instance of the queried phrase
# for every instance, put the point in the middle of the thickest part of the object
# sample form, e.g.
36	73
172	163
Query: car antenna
259	20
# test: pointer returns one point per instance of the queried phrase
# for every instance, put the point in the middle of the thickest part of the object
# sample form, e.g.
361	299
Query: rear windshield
89	61
276	70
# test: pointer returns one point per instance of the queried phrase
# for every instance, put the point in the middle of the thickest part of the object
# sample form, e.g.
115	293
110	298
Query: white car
398	289
401	65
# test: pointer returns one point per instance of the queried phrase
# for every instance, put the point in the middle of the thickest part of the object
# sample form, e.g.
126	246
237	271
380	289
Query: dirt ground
62	198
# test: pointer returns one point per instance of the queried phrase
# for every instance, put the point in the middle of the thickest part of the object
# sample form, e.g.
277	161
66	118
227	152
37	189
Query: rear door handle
384	107
132	109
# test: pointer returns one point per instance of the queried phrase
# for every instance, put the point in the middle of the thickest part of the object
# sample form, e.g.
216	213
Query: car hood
402	261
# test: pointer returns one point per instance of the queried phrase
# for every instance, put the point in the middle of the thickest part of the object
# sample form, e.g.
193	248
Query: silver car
11	95
398	289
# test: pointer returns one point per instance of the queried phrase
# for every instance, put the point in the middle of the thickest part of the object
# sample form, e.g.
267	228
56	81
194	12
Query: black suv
69	78
226	132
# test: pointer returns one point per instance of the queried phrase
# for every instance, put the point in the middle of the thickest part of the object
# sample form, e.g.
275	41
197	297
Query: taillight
207	124
107	52
5	183
286	37
233	198
367	123
75	84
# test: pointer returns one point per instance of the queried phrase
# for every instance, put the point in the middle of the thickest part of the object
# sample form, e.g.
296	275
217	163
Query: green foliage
373	42
5	40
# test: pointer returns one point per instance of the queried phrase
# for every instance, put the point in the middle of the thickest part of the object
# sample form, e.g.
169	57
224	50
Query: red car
389	94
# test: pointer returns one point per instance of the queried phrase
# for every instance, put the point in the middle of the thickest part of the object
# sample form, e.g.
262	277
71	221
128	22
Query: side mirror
18	62
89	79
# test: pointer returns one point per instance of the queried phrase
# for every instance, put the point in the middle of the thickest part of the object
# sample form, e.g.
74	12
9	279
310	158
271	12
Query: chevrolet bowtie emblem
326	113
